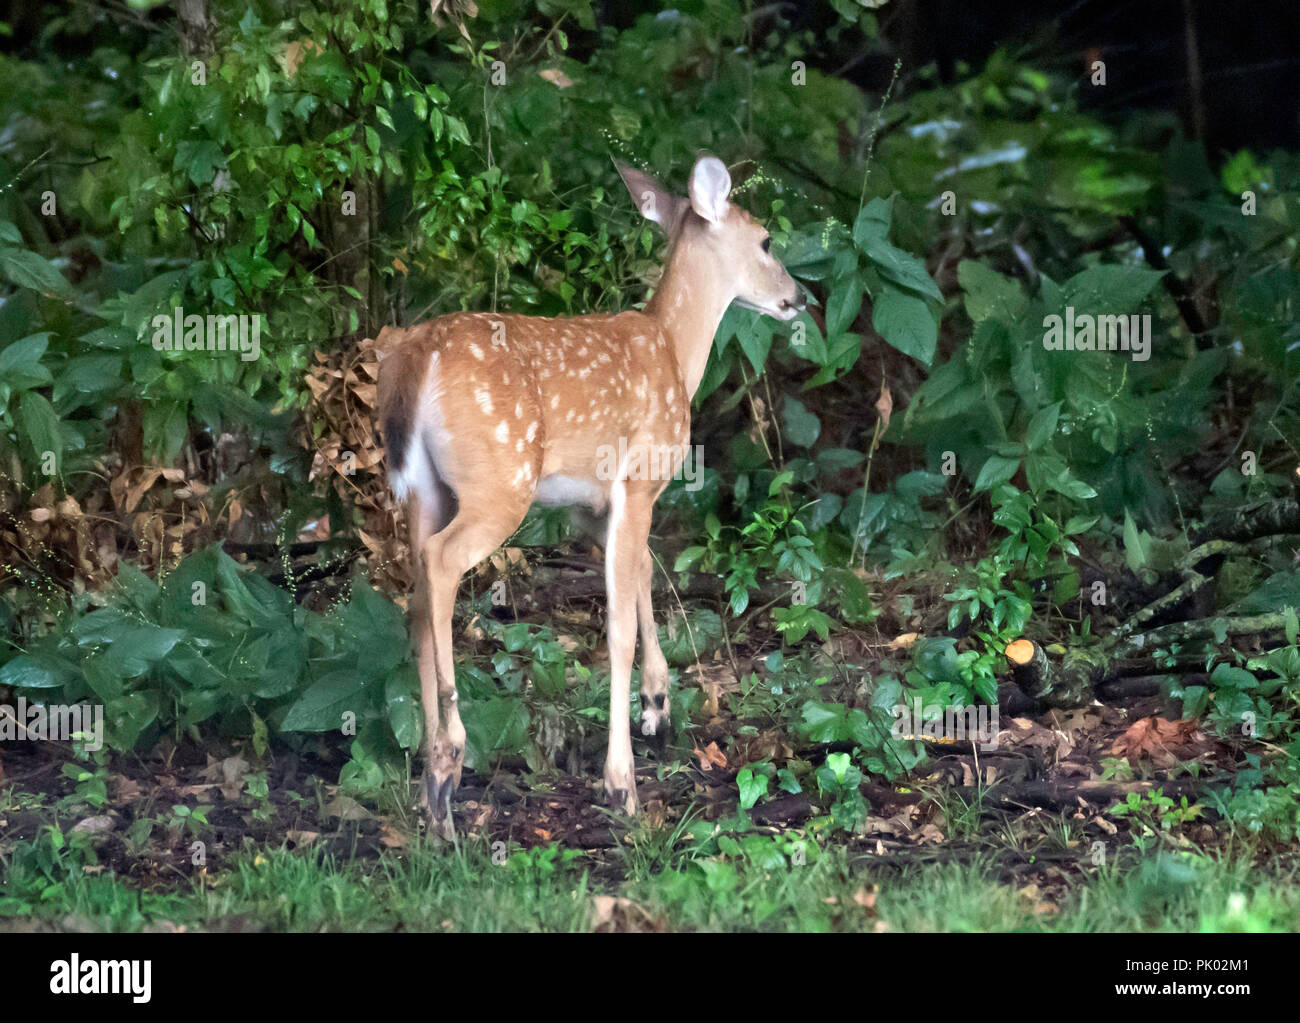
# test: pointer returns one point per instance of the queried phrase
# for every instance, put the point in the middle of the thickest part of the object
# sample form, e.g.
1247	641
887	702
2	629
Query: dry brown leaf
347	809
128	789
904	642
711	757
611	913
391	838
1038	905
885	405
93	826
556	77
1161	741
233	770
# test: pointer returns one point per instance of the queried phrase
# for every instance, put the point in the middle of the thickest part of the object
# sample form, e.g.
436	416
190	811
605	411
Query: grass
476	888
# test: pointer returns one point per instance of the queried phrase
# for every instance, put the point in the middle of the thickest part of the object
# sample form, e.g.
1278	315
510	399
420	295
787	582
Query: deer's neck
689	303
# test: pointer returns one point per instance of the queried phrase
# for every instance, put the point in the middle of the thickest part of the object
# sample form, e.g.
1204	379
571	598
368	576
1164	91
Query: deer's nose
797	304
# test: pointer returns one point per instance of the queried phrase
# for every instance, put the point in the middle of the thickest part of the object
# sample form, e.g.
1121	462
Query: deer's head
734	246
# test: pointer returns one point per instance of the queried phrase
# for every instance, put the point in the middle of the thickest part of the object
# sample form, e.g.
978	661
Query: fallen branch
1266	518
1204	628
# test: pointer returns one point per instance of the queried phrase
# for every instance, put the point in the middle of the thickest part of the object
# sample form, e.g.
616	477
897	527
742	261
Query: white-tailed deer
485	413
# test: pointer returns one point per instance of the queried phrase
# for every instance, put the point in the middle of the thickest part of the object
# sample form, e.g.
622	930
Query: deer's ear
654	201
709	188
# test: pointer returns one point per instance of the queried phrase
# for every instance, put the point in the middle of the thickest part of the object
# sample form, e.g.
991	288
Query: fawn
485	413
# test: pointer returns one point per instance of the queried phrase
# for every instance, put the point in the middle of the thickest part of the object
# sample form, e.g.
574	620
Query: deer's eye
767	244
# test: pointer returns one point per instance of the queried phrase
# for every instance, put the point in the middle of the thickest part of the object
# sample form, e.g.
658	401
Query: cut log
1029	667
1068	684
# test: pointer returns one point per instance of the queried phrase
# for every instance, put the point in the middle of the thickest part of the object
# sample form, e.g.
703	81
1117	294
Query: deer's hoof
439	792
655	717
624	800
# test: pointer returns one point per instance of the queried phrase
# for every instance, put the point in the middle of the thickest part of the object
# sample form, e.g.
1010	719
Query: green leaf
801	426
843	304
1080	524
40	425
753	787
403	707
37	670
996	470
1136	545
88	374
1230	677
322	706
1109	289
905	321
28	270
687	558
1042	426
839	765
989	295
823	722
127	717
20	363
199	160
872	223
900	267
807	256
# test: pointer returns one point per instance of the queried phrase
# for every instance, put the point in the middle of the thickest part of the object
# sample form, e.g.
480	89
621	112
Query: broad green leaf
843	304
996	470
902	268
801	426
322	706
872	223
37	670
753	787
1109	289
403	707
40	425
29	270
1042	426
989	295
20	363
905	321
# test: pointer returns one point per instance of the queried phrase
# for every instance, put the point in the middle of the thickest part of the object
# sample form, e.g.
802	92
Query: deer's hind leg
484	519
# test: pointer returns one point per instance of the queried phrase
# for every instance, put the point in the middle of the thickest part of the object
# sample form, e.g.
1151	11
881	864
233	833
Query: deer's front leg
655	704
625	552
